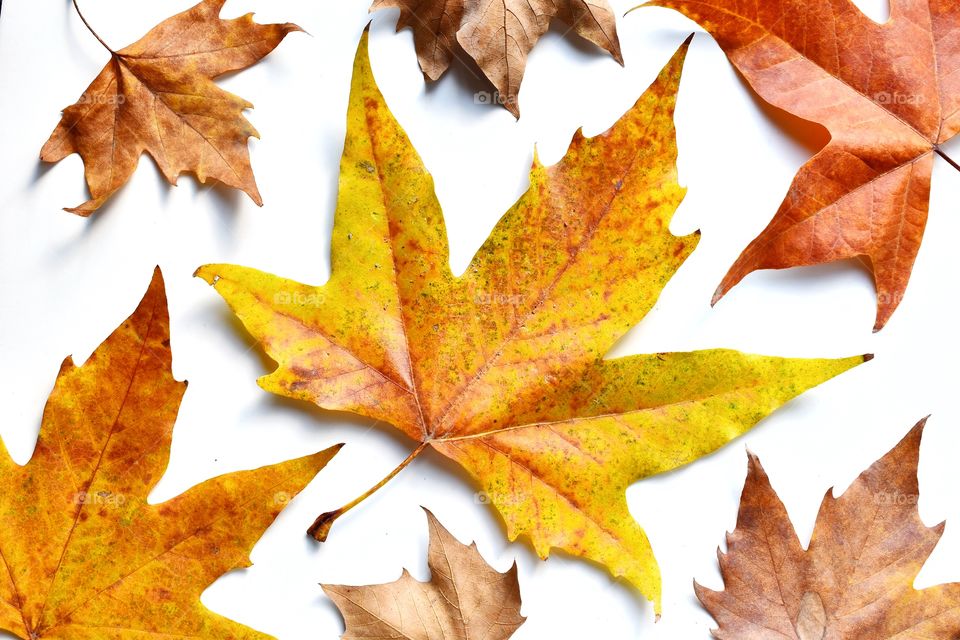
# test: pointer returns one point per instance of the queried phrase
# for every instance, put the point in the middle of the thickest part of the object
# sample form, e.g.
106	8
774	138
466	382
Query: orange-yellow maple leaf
502	369
83	555
158	96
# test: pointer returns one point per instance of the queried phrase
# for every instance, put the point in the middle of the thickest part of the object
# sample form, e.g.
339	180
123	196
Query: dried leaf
465	599
855	582
158	96
888	94
497	34
502	369
84	555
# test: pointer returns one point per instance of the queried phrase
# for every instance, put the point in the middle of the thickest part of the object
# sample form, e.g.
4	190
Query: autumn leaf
856	579
502	369
497	34
158	96
888	94
84	555
465	598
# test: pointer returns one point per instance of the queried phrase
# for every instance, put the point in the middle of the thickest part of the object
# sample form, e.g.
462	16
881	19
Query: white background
66	283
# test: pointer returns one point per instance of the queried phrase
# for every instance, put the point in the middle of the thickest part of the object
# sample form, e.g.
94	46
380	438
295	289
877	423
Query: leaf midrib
547	290
96	469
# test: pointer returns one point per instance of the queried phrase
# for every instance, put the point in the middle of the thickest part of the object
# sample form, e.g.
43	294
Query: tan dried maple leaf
889	95
83	554
465	599
497	34
158	96
854	582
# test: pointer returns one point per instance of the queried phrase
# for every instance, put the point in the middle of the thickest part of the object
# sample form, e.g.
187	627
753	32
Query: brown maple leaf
465	599
158	96
497	34
855	582
83	555
889	95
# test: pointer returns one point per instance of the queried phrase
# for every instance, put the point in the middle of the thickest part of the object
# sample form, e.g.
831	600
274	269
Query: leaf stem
943	155
90	29
320	529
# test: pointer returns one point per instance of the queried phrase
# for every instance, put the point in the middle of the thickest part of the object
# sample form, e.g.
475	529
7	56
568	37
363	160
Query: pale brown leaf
855	582
465	598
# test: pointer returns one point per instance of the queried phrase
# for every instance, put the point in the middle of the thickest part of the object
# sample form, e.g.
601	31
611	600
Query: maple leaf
497	34
464	599
888	94
158	96
856	579
83	555
502	369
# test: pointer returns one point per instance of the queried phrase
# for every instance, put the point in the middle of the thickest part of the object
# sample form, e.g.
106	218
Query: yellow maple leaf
502	369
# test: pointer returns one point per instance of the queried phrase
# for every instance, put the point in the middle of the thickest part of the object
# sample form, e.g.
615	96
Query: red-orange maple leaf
889	95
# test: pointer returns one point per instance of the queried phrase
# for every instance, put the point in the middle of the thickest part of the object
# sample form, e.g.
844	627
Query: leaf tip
617	52
83	210
675	65
207	273
717	295
536	164
156	291
290	27
916	433
881	322
432	519
317	461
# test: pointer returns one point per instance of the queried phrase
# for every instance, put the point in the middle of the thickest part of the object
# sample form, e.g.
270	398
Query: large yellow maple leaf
502	369
83	555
